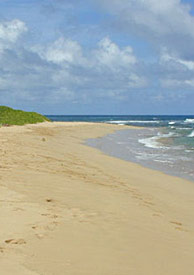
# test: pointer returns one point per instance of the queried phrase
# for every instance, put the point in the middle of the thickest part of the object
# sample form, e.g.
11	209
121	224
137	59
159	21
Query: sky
97	56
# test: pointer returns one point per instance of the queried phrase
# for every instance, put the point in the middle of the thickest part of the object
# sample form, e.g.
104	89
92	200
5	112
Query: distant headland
9	116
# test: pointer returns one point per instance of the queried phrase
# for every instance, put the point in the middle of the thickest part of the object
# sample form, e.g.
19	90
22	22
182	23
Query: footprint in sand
39	236
34	227
15	241
137	197
54	216
45	214
157	215
177	223
179	226
49	200
148	202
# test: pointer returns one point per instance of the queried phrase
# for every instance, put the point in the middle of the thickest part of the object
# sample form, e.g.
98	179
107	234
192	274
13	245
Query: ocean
164	143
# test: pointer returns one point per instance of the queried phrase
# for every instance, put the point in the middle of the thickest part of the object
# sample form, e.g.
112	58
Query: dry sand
66	208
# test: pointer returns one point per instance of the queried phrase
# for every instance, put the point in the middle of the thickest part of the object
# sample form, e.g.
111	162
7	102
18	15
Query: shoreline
117	145
71	209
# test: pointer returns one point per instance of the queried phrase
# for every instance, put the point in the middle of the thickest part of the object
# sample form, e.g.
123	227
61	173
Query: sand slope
69	209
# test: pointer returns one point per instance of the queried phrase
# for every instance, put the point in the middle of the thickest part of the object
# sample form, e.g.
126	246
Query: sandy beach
68	209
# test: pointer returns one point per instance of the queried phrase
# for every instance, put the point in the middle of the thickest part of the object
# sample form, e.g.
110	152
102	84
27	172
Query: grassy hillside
9	116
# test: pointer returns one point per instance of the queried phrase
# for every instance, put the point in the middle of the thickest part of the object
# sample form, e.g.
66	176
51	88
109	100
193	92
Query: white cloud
106	67
163	23
177	73
171	83
10	31
109	54
137	81
166	57
63	70
61	51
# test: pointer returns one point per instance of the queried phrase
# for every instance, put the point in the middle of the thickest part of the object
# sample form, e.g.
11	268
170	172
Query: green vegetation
9	116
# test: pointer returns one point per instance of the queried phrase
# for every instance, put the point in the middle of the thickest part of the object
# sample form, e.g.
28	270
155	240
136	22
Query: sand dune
69	209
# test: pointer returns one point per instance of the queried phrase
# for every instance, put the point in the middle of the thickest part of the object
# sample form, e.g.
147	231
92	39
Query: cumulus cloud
168	27
166	23
108	65
10	31
109	54
175	73
61	51
68	70
64	71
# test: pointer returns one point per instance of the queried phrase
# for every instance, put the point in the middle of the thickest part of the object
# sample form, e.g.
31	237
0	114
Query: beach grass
9	116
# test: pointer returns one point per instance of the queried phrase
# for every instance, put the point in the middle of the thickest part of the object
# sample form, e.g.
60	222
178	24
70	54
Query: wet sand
69	209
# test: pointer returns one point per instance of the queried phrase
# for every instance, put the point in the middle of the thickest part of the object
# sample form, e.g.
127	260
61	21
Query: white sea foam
189	120
122	122
163	161
182	128
170	134
171	122
191	134
153	142
144	156
143	121
117	122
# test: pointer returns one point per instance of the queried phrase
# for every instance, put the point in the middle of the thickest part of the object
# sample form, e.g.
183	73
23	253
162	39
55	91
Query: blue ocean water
164	143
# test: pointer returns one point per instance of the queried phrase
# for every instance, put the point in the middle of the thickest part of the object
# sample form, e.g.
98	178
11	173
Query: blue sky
97	57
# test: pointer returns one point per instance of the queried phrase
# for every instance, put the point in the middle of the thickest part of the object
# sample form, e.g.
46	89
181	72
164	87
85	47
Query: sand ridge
67	208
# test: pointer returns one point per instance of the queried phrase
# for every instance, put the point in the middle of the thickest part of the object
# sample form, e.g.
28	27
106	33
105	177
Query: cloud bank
66	69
